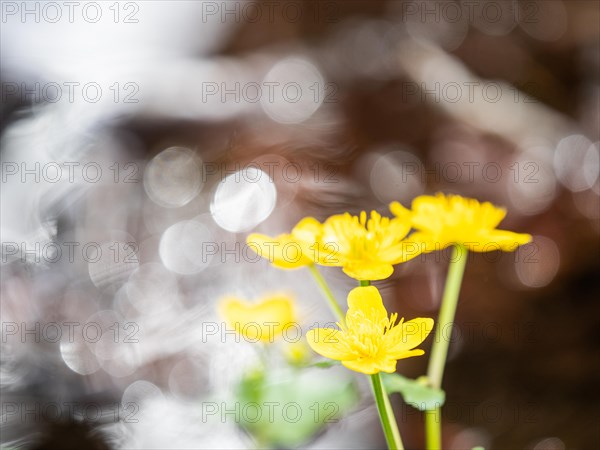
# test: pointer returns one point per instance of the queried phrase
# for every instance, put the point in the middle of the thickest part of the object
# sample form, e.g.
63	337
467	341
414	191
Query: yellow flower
258	322
369	341
443	220
365	249
288	251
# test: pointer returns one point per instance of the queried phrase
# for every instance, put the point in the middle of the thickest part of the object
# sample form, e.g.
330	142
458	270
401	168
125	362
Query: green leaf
287	409
415	392
251	385
326	364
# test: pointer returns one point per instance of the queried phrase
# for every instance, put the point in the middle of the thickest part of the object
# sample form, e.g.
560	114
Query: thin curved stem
386	414
439	350
333	304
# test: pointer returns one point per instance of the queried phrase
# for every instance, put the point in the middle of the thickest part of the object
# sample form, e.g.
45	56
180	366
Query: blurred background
142	141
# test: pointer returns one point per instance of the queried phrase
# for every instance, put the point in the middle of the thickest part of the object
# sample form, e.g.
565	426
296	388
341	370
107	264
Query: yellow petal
371	366
328	254
427	212
490	215
263	245
407	335
262	321
282	251
387	365
400	211
442	220
339	231
507	241
399	227
401	252
307	230
235	312
428	242
276	308
232	309
363	365
329	342
365	309
408	354
367	270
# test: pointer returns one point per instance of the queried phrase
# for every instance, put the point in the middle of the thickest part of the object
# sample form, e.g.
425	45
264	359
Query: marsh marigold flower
366	249
262	321
368	341
289	251
443	220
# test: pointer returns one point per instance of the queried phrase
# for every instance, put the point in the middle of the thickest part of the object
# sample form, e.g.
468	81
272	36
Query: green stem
433	432
333	304
439	350
386	414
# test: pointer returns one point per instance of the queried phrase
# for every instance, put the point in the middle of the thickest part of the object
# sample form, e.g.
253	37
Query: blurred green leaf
287	409
325	364
251	385
414	392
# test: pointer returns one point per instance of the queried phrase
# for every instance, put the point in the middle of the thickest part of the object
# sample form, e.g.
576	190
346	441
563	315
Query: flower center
368	340
367	344
367	235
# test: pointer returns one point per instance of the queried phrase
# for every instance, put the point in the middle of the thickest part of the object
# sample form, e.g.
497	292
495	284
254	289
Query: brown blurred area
525	367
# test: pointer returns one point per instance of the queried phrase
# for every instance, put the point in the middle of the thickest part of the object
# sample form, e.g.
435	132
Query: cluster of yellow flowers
367	248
